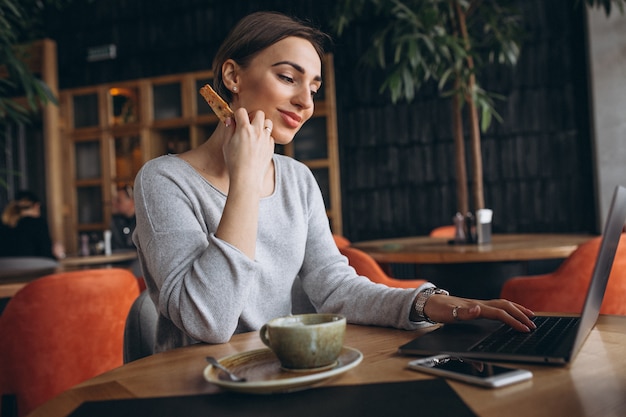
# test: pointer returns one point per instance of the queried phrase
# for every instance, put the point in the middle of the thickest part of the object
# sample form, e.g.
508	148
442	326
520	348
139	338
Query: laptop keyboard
549	332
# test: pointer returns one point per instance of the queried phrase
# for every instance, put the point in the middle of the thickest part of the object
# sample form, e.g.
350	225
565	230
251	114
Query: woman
229	234
123	219
24	231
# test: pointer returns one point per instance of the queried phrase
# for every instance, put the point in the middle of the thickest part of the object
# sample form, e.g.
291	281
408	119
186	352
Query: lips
292	120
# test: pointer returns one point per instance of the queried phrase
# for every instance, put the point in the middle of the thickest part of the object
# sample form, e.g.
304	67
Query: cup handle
264	337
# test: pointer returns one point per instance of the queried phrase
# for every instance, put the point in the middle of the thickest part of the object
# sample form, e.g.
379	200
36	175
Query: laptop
557	339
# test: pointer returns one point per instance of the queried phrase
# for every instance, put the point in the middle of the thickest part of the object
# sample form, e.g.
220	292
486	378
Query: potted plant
17	28
447	42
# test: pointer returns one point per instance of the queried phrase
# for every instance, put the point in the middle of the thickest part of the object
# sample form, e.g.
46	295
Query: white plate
263	373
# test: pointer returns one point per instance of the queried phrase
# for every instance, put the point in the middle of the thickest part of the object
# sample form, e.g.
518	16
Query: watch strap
421	299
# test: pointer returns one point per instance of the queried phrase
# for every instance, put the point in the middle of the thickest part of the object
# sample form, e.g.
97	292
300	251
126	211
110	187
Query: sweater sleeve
334	286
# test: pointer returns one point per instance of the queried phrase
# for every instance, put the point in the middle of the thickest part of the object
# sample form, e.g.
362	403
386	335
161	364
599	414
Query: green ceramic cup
305	341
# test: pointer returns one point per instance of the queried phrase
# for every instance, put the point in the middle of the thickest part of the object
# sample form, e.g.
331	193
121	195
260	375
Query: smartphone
470	371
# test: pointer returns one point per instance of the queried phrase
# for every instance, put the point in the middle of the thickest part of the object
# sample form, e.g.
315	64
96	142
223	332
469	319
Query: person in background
231	235
24	230
123	219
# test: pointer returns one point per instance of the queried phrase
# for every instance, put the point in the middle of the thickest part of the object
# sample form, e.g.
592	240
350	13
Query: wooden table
13	281
594	385
472	270
99	260
504	247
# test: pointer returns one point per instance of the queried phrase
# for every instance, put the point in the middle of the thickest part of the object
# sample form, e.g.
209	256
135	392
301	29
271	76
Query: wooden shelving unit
109	131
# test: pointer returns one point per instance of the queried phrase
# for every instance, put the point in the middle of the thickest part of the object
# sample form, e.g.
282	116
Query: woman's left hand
448	309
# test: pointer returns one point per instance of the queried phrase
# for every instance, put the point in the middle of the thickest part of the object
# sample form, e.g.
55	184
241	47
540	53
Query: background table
504	247
473	270
115	258
594	385
13	281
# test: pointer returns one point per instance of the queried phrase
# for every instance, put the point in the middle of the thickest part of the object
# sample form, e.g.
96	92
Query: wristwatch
421	299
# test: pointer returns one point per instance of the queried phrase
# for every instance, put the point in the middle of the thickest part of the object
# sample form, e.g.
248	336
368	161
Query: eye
313	93
286	78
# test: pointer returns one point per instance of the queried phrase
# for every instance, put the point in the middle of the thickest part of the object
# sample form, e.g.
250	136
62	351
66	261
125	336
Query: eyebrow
297	68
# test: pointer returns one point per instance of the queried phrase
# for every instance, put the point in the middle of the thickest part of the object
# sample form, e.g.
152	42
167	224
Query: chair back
565	289
62	329
448	230
366	266
341	241
140	329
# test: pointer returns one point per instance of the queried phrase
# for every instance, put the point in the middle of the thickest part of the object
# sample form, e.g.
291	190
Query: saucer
264	374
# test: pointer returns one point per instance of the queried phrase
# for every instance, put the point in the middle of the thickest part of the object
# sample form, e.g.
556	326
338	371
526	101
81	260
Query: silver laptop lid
604	261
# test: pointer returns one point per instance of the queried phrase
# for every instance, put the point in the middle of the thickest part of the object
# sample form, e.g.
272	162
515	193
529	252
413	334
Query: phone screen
467	367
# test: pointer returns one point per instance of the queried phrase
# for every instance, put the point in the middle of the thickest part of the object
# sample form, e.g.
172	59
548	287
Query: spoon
215	363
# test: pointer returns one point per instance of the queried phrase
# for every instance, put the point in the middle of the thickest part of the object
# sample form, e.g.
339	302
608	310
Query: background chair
366	265
564	289
448	230
60	330
140	328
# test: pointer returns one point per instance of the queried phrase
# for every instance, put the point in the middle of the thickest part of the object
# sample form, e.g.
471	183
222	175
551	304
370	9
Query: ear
230	74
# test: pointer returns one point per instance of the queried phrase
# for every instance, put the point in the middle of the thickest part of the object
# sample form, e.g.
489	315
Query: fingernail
228	121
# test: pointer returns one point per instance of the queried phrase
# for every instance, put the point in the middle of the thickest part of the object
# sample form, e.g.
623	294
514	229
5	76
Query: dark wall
396	160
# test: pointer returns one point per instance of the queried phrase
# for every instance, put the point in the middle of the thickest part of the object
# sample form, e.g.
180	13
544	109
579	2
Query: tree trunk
475	152
476	156
459	152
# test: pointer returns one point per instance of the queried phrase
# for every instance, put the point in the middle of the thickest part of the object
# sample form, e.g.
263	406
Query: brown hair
24	200
256	32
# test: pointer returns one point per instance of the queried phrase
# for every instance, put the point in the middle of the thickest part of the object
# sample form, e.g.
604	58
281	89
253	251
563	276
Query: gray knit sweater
207	290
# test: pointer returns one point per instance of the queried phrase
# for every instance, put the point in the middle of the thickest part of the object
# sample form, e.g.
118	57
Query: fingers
256	120
515	315
248	152
448	309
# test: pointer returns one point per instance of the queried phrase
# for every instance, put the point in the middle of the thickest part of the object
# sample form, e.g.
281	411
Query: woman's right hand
248	158
248	152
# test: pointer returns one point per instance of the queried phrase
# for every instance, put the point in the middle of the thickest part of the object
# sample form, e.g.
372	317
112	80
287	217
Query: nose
303	98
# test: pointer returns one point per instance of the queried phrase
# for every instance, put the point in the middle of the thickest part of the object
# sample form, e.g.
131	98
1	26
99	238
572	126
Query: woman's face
281	81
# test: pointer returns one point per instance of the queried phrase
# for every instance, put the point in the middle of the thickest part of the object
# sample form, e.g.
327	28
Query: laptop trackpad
454	337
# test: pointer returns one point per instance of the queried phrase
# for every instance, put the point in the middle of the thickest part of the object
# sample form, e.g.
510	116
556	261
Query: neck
208	158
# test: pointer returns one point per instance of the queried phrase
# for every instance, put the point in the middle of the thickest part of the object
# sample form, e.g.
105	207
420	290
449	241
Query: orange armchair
366	266
564	290
341	241
448	230
60	330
